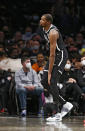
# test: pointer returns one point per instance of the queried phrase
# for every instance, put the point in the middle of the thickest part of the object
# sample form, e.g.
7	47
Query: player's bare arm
53	41
53	36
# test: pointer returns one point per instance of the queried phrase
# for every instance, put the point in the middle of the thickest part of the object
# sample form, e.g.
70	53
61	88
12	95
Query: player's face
43	21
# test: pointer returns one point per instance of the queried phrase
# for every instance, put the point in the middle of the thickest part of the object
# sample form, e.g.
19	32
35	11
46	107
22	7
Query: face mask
28	34
28	65
67	66
36	47
83	62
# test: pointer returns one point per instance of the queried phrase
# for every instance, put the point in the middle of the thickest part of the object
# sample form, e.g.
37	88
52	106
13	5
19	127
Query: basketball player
55	66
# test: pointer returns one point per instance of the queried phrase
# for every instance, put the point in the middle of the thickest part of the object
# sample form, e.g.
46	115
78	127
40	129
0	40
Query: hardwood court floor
39	124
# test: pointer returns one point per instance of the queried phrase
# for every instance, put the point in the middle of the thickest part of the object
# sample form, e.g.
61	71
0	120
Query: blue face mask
35	47
28	34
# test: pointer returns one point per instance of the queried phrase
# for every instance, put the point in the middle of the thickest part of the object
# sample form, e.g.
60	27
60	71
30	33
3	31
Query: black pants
74	91
55	76
3	99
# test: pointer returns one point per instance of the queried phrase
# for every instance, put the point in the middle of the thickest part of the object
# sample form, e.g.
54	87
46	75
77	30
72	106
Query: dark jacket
66	75
80	77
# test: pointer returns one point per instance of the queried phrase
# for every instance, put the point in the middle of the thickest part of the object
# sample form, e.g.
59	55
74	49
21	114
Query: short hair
24	58
48	17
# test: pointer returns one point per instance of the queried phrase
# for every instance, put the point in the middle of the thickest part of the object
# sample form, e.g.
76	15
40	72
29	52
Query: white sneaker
66	108
23	113
57	117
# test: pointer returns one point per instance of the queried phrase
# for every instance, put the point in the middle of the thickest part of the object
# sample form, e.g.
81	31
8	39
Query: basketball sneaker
23	113
56	117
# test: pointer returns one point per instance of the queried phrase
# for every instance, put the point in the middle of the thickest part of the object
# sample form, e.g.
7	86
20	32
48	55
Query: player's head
46	20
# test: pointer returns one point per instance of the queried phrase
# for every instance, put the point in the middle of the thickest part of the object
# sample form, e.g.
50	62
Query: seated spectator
77	65
14	53
36	37
35	49
70	86
10	44
79	40
25	52
29	44
28	33
27	82
69	41
5	79
21	44
80	78
17	36
81	75
39	65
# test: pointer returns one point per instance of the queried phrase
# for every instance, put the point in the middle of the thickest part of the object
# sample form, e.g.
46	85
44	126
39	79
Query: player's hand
49	78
